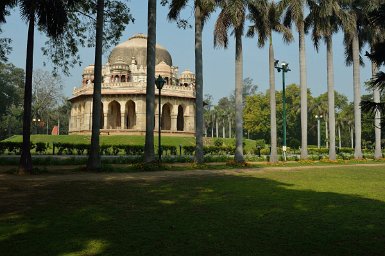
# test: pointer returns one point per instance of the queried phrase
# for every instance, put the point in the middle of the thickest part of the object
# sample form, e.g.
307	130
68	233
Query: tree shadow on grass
222	215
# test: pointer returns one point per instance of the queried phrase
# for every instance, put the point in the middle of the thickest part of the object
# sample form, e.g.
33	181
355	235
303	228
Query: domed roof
89	69
136	46
162	67
187	73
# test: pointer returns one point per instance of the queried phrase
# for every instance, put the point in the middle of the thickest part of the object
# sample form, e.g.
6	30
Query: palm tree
324	18
51	17
233	15
295	13
374	36
203	9
266	17
149	155
94	161
354	21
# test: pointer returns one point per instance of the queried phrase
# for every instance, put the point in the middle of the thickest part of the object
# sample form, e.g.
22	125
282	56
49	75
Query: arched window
180	119
166	117
113	117
123	78
167	80
117	79
130	116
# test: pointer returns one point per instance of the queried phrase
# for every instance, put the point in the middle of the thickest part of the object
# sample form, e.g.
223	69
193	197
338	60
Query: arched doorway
166	117
180	119
130	117
113	117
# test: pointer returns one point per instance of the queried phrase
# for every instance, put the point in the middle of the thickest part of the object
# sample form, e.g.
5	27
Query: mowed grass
128	140
339	211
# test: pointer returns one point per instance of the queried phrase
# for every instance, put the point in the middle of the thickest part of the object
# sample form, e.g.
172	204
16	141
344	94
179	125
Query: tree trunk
198	86
216	128
273	106
212	126
238	97
303	84
377	118
331	100
326	133
229	127
357	96
339	137
352	136
94	161
149	155
224	128
25	166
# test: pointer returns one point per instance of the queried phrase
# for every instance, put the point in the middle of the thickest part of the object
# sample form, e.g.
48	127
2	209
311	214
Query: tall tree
149	155
202	10
93	26
266	17
51	17
324	17
94	160
295	13
355	12
233	15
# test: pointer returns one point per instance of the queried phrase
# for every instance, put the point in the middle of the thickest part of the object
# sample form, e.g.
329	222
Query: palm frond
377	82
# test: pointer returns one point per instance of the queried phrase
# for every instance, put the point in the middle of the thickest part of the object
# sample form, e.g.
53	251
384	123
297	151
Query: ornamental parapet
136	88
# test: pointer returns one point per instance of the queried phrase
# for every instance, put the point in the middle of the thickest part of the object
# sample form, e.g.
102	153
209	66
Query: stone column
173	123
105	114
122	115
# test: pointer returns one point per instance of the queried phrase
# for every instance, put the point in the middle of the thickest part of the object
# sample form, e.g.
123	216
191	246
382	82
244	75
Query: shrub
188	150
41	147
218	142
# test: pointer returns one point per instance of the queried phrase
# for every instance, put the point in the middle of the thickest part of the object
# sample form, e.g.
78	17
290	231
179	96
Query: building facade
124	94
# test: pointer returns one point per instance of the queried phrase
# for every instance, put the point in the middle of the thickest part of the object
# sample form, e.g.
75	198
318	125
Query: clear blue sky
218	63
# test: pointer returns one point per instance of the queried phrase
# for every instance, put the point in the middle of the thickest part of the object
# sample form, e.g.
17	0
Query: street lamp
159	82
284	67
318	117
35	122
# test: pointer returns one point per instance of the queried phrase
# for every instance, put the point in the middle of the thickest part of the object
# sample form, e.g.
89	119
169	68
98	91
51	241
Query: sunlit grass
310	211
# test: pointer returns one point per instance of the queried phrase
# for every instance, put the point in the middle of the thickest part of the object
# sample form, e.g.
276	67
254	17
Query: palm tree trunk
303	84
352	136
224	129
238	97
273	106
229	127
149	155
326	133
377	117
212	126
94	161
25	166
357	96
216	128
339	137
199	86
331	107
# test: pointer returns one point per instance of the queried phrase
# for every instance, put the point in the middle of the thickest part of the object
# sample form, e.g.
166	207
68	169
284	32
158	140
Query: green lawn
127	139
339	211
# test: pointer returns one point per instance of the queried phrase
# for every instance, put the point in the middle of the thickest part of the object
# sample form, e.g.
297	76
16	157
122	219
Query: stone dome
89	69
187	74
163	67
136	47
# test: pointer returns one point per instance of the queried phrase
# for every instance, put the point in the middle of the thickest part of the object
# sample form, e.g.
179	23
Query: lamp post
284	67
318	117
35	123
159	82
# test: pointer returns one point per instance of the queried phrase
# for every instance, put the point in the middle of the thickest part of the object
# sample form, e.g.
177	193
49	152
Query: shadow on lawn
223	215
